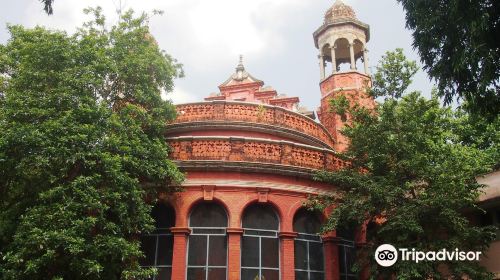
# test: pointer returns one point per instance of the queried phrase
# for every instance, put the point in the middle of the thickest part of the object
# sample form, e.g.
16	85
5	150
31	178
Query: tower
343	62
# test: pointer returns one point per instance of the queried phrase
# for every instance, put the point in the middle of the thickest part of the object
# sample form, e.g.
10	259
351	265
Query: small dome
339	10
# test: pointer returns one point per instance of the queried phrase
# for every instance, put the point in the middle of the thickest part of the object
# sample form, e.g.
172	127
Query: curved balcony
251	114
252	154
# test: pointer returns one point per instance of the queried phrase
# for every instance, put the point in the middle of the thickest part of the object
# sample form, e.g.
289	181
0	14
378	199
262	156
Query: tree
393	75
82	148
47	6
458	45
411	178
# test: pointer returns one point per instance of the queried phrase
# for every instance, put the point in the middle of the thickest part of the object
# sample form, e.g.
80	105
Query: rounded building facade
249	155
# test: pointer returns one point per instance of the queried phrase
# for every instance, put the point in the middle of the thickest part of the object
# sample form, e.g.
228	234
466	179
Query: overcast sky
275	37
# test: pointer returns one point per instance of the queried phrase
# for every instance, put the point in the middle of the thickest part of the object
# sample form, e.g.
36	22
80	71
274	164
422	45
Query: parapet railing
254	113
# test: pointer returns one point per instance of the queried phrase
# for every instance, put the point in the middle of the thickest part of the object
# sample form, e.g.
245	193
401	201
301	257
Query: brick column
331	250
180	247
234	253
287	255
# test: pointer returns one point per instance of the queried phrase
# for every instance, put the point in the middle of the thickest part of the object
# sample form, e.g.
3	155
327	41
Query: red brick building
249	155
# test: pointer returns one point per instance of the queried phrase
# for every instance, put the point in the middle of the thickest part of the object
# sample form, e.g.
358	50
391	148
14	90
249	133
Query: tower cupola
341	39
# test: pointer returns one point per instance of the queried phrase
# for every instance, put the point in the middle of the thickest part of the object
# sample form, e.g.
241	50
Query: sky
207	37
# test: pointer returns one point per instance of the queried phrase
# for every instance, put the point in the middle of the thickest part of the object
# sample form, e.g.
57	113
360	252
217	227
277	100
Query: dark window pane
317	276
165	250
216	273
301	275
300	254
197	253
164	273
196	274
260	216
208	214
268	274
342	259
270	252
351	258
316	256
346	233
217	251
164	215
250	251
148	247
249	274
306	221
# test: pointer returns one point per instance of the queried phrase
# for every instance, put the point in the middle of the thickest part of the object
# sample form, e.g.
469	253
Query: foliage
393	75
459	47
412	175
82	148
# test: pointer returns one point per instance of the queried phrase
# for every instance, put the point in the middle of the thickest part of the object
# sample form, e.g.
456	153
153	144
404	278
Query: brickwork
250	112
235	201
253	150
354	86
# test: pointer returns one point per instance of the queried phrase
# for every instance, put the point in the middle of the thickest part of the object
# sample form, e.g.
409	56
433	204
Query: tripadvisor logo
387	255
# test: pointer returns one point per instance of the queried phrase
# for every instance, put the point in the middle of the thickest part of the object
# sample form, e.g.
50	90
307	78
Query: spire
240	66
241	75
240	69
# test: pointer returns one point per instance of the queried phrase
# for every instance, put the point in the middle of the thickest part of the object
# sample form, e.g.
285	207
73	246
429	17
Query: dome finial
240	67
339	10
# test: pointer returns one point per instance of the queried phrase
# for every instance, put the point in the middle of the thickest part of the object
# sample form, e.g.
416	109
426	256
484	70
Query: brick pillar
234	253
331	250
180	247
287	255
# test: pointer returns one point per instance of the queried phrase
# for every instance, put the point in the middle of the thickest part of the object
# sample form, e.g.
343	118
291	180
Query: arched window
207	249
260	244
158	246
347	253
309	261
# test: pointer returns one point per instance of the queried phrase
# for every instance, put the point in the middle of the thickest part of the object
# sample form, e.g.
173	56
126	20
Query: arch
309	255
164	215
260	246
207	245
260	216
307	221
359	48
276	208
208	214
199	200
342	54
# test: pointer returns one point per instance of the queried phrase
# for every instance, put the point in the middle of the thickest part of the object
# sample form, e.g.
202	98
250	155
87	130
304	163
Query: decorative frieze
254	113
239	149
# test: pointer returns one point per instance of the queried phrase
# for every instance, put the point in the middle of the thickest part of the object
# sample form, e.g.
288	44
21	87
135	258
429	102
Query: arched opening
342	55
327	57
207	248
347	253
260	244
158	246
309	256
358	55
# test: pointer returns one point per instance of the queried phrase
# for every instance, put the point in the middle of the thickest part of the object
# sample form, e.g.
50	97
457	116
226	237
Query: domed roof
339	10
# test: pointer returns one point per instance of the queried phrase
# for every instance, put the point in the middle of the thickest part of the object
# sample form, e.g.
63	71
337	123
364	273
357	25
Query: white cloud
179	96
